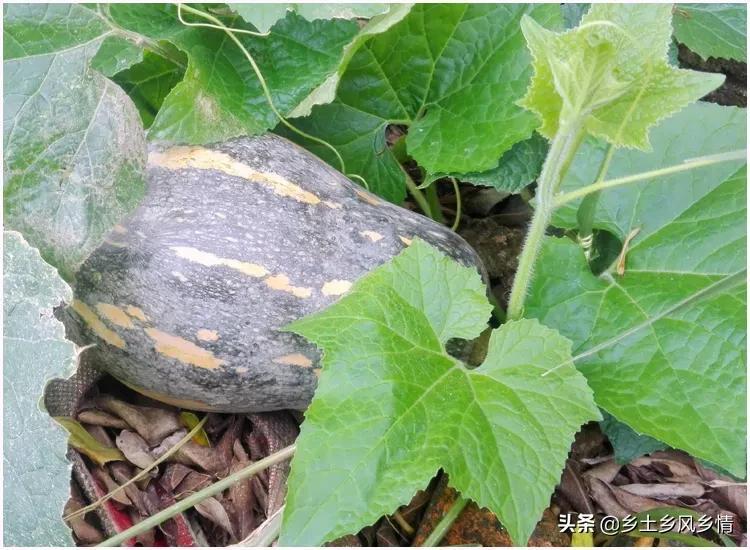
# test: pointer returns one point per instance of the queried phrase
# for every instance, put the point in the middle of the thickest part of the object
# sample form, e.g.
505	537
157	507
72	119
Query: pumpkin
185	299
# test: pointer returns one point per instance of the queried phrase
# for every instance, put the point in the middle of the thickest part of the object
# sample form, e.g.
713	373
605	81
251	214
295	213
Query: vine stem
442	527
436	212
417	194
563	147
196	498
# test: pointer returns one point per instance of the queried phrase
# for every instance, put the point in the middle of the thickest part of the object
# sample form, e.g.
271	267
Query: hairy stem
442	527
558	159
200	496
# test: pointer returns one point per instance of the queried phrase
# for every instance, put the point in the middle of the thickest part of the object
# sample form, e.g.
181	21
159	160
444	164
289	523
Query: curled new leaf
610	74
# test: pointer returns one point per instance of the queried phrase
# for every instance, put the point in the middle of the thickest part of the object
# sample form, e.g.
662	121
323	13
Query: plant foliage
451	73
682	365
493	94
74	148
611	72
36	478
392	407
265	16
713	30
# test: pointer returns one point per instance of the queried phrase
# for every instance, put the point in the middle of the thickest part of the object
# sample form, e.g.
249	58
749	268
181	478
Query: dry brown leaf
152	424
85	532
243	503
135	448
731	497
574	490
665	490
95	417
122	472
193	481
606	471
110	485
213	510
173	475
601	493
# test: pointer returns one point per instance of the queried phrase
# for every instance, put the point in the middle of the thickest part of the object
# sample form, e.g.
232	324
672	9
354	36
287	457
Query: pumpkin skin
186	298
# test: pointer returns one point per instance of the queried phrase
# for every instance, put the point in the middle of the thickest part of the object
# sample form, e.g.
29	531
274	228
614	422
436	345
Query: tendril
218	25
457	191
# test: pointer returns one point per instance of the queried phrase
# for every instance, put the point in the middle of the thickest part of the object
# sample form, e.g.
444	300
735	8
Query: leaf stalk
699	162
419	197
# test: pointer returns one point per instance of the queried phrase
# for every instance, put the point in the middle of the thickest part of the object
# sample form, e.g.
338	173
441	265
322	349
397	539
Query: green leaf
452	73
518	167
264	16
700	129
573	12
680	377
36	480
220	96
392	407
326	92
149	82
116	54
74	146
713	30
79	438
626	442
611	74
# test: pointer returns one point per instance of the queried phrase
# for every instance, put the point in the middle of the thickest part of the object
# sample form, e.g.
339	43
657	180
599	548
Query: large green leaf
220	96
611	74
713	30
74	146
116	54
392	407
36	480
453	73
674	373
265	16
518	167
326	92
